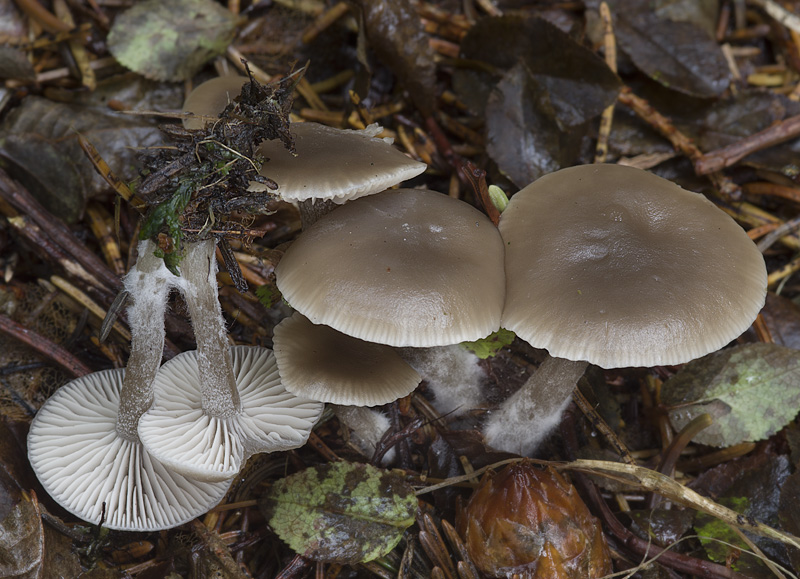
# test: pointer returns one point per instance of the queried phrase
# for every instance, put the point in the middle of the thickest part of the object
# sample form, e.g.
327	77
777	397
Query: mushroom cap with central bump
335	164
619	267
405	268
317	362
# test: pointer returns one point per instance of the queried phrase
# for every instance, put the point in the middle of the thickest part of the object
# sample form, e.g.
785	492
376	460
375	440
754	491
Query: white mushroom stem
368	426
148	283
530	414
220	396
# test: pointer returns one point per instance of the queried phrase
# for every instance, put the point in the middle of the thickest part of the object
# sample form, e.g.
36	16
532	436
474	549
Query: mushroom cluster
155	446
604	264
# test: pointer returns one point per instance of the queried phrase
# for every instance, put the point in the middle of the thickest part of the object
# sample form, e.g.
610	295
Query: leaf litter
529	83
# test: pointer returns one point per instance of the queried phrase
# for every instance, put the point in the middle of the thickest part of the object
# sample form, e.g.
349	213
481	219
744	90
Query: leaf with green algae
171	40
490	345
717	537
750	391
341	512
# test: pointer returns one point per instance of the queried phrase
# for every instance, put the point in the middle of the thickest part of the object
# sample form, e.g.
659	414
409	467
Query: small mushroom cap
320	363
210	98
619	267
335	164
405	268
83	464
179	434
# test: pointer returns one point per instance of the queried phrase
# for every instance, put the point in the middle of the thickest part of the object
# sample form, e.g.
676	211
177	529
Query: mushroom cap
335	164
210	98
83	464
405	267
179	434
320	363
619	267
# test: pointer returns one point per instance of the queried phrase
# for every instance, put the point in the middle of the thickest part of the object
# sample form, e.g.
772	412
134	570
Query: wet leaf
782	317
21	541
524	142
396	35
170	40
39	145
789	513
663	526
679	55
756	495
489	346
748	390
572	84
15	64
341	512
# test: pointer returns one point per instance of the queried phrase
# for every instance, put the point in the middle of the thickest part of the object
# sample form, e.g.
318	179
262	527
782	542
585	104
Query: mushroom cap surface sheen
335	164
84	464
619	267
405	267
317	362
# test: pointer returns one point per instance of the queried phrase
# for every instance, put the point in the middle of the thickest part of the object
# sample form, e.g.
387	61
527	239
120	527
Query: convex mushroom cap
317	362
619	267
335	164
405	267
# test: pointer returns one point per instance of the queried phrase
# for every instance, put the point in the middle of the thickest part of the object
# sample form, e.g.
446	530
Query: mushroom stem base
528	415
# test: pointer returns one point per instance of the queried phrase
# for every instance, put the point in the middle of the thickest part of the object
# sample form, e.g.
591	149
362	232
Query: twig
23	201
610	45
727	156
45	347
681	142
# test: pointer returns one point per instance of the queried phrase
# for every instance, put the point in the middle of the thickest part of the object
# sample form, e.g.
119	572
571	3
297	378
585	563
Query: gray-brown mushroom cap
317	362
619	267
210	98
404	268
335	164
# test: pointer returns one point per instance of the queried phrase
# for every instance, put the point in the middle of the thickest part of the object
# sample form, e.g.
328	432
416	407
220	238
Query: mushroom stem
148	283
368	426
528	415
311	210
220	396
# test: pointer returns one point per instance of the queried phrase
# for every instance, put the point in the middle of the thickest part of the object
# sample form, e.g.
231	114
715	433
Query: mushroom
210	98
317	362
405	267
617	267
183	434
83	443
223	429
335	164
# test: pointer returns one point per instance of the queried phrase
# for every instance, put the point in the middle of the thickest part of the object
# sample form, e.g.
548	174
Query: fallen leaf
678	55
170	40
341	512
750	392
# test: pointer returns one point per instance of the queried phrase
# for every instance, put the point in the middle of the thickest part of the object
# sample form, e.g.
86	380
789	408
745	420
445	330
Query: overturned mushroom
224	426
83	445
614	266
